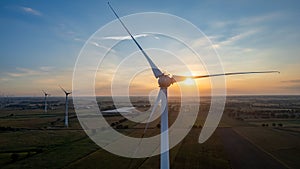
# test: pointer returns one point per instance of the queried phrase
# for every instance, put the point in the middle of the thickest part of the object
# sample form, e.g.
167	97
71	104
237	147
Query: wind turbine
66	114
164	81
46	95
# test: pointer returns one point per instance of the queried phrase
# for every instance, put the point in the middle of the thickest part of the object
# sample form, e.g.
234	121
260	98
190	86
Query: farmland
31	138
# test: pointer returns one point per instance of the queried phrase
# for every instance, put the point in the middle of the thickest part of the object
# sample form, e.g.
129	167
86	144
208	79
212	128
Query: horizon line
231	95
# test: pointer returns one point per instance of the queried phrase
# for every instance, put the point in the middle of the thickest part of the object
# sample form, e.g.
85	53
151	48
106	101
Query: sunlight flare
189	81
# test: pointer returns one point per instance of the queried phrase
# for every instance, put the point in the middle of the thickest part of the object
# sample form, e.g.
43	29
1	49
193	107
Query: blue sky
40	40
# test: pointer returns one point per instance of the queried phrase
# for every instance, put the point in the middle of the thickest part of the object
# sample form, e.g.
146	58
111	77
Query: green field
33	139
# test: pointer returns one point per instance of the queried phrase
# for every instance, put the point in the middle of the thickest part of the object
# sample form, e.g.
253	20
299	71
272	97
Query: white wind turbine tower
164	82
45	99
66	114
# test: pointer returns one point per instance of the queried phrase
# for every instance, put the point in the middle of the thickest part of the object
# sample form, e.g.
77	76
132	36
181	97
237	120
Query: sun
188	81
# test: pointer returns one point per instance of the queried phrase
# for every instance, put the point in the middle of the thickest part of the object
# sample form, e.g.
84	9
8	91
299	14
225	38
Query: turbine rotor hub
165	81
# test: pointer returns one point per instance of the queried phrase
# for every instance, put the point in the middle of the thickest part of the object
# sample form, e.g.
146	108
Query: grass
194	155
188	154
57	157
280	144
12	141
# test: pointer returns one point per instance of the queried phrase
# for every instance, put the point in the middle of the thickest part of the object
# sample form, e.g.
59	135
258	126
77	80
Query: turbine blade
63	89
44	92
158	98
154	68
182	78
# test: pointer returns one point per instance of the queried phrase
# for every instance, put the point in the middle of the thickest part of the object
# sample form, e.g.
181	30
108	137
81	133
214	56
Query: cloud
260	19
68	32
291	81
4	79
46	68
47	81
127	37
101	46
78	39
23	72
23	81
220	24
30	11
246	21
292	89
234	30
235	38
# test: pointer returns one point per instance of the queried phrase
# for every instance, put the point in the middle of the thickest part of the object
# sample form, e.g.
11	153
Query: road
243	154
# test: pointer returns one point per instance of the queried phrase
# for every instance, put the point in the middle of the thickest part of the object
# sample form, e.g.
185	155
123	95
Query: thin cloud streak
23	72
30	11
291	81
260	19
247	21
233	39
101	46
126	37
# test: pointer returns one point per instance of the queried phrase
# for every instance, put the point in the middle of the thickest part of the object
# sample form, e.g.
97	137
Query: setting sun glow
188	81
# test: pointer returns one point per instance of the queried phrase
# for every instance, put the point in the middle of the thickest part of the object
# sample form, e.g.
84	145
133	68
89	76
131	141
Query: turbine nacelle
165	81
46	94
67	93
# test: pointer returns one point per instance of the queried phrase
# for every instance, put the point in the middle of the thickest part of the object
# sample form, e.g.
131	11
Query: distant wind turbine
66	114
46	95
164	82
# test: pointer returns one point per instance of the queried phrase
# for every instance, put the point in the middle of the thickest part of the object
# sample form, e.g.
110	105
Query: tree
158	125
14	157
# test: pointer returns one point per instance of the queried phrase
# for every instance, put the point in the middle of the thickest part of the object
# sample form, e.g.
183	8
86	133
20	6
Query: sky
41	40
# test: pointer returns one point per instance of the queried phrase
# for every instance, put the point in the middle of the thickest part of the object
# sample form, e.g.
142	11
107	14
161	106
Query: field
256	128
